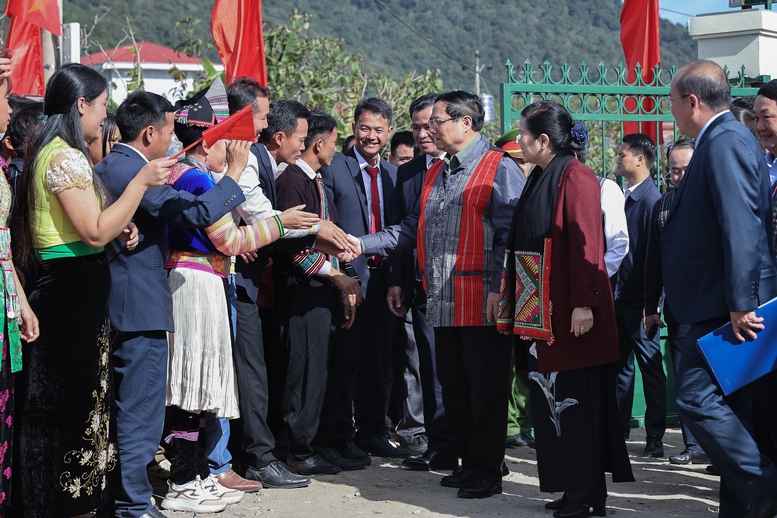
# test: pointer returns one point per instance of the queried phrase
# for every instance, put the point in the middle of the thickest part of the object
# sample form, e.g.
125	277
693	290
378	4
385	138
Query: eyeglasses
681	98
436	123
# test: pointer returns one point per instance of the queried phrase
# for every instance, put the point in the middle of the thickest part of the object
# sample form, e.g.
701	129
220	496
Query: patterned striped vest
455	242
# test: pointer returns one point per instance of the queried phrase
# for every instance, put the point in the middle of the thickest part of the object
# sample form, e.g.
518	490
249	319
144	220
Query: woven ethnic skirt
65	447
200	371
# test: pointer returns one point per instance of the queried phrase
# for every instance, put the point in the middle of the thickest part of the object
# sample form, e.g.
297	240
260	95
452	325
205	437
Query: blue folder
736	364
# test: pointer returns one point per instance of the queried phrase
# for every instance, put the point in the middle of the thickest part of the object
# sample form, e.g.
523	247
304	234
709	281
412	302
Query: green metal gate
604	99
599	97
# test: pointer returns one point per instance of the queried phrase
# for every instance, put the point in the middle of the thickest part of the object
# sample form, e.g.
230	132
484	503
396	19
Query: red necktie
375	225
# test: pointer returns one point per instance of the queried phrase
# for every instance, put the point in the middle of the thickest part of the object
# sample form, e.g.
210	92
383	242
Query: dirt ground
386	489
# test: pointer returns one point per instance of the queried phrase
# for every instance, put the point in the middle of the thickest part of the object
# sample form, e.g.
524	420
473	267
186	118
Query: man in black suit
636	157
406	293
310	290
255	327
718	266
141	304
362	186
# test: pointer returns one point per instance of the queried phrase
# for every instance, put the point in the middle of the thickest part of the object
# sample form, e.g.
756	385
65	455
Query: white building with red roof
117	66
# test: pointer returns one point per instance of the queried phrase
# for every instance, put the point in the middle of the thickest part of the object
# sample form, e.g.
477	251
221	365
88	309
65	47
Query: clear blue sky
690	7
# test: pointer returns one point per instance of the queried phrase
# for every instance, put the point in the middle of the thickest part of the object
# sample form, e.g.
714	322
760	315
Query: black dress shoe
313	465
381	447
456	479
690	457
333	457
557	505
654	447
479	488
431	461
712	470
520	439
765	508
580	511
349	450
275	475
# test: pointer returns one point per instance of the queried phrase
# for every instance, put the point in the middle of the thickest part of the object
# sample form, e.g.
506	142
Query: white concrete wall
736	38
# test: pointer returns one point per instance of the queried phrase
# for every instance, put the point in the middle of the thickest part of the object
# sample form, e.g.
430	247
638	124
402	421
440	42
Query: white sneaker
231	496
192	496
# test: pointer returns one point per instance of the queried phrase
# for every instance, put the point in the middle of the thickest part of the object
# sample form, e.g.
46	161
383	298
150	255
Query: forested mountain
556	30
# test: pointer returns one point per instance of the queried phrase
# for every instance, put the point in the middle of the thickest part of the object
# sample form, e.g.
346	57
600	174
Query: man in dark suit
141	303
362	186
310	290
718	266
636	157
406	293
474	378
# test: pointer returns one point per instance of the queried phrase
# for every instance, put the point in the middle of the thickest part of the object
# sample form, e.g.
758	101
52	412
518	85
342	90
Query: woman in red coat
556	293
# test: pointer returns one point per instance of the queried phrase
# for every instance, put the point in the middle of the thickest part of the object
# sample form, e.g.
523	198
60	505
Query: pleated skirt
201	371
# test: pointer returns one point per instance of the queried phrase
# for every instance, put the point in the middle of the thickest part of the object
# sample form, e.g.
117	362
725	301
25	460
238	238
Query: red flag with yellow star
43	13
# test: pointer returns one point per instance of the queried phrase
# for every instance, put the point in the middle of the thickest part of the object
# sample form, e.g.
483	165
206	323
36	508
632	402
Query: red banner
43	13
236	26
640	38
24	40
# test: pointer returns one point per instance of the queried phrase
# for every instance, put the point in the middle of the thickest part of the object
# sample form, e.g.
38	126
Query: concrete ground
386	489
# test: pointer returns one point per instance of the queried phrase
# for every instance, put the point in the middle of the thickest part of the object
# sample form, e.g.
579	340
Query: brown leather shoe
232	480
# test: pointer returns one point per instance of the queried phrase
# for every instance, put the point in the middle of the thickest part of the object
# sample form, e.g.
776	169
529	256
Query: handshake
331	239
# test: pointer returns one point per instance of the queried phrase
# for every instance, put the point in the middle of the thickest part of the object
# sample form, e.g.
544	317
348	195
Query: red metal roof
149	53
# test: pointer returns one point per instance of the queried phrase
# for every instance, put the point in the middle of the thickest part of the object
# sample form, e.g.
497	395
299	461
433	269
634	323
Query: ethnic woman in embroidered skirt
556	292
65	442
201	377
16	321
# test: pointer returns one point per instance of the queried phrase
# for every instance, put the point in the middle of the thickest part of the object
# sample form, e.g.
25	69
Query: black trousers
473	364
634	343
307	329
363	364
251	430
723	427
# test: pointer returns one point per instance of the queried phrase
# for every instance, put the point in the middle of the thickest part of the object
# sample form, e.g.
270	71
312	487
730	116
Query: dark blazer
410	180
716	248
639	207
296	188
140	295
344	183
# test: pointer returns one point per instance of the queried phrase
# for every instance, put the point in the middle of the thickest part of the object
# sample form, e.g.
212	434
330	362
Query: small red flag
641	41
236	26
27	67
43	13
238	126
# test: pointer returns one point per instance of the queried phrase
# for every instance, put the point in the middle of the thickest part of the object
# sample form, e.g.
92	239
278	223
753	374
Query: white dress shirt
616	231
257	206
368	186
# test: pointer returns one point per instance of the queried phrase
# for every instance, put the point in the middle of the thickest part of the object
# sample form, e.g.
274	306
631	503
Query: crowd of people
252	313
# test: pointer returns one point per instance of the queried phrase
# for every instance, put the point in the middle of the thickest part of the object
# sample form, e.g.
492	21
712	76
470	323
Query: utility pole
477	72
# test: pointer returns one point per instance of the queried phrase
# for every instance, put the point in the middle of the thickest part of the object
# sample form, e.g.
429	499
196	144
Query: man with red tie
362	186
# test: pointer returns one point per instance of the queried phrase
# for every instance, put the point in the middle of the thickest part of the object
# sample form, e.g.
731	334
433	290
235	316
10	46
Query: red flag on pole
236	26
27	67
238	126
640	38
43	13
